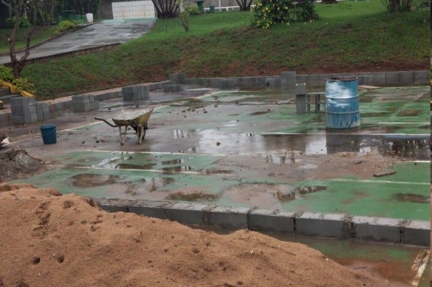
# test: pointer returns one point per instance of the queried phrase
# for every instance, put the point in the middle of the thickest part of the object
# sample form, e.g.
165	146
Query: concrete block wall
380	79
173	88
135	93
23	110
43	111
84	103
307	223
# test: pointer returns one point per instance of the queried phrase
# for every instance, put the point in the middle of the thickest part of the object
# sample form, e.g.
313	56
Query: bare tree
19	9
166	8
244	4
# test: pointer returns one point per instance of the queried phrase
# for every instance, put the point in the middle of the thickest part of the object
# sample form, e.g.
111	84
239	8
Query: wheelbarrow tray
132	117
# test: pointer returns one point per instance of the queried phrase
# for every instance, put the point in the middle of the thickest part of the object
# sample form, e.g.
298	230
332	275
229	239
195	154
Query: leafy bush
6	74
23	84
193	10
64	26
269	12
25	22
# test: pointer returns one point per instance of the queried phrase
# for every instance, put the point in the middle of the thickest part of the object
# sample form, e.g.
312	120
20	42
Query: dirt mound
55	240
15	164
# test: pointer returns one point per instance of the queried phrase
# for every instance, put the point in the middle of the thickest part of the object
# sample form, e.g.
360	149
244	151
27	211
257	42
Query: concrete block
91	98
58	106
227	84
32	109
46	115
114	205
421	77
320	224
365	79
135	93
266	220
288	80
79	99
229	217
317	80
378	79
81	107
273	82
403	78
20	120
94	106
177	78
149	208
40	116
173	88
377	229
416	232
301	89
187	213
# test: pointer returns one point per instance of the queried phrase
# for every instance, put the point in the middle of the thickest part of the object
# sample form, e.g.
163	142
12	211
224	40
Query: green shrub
25	23
24	85
64	26
6	74
269	12
193	10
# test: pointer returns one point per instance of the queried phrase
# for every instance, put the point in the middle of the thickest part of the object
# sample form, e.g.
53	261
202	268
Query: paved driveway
96	35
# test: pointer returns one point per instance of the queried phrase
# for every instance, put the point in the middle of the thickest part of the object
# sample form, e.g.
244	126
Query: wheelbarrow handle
108	123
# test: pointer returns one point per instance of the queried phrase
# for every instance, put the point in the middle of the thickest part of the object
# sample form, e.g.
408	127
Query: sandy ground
55	240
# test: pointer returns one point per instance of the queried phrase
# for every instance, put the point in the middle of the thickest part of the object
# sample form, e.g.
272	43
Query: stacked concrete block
23	110
43	111
135	93
288	81
178	78
84	103
177	88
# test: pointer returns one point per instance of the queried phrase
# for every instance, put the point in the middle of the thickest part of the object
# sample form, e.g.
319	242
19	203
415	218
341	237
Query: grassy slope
40	34
350	36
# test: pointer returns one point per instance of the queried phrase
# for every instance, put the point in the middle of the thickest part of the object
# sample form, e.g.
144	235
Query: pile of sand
15	164
48	239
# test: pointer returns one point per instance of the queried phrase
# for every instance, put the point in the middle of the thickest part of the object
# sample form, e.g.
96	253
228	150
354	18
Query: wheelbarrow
137	119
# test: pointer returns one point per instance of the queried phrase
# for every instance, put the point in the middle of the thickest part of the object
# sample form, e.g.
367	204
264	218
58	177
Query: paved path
96	35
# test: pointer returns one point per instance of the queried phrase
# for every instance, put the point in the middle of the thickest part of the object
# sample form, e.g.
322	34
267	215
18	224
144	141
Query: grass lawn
40	34
348	37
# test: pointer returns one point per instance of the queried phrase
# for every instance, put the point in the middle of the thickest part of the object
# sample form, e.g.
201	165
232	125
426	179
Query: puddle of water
411	197
174	161
91	180
133	166
216	171
195	196
176	169
147	185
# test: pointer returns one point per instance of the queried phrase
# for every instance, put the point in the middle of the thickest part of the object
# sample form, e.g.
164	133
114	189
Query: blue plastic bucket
49	134
342	103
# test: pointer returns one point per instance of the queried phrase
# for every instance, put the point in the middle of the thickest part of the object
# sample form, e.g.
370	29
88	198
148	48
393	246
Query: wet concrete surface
247	149
94	35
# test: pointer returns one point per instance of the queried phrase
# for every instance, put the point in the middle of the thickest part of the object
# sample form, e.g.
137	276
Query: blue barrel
49	134
342	103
